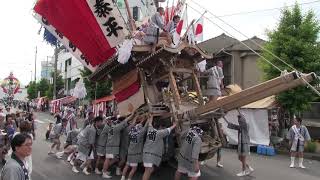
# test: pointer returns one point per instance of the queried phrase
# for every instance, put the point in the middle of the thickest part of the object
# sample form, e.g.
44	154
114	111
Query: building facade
47	69
138	8
70	69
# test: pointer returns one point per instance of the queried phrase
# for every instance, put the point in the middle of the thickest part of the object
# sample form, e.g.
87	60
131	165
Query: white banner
65	41
109	20
258	126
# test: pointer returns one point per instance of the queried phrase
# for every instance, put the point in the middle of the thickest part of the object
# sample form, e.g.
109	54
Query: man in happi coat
137	132
71	145
113	144
88	120
215	81
55	133
188	157
172	25
243	143
154	146
86	145
101	142
72	123
298	135
156	28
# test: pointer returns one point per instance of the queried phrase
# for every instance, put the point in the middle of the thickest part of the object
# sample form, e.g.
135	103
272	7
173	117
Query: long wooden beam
239	100
269	92
254	89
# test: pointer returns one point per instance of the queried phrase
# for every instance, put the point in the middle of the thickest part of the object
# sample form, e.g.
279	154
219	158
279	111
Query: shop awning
65	100
104	99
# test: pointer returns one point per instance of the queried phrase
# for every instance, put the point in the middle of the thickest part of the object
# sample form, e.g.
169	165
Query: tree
294	41
32	90
99	90
43	86
60	85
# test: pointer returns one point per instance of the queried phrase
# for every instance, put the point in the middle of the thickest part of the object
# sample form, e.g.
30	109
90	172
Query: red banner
73	20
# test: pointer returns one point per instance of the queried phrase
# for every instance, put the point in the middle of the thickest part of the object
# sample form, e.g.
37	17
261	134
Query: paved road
266	168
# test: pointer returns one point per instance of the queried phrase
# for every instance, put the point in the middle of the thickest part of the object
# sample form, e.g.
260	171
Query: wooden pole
198	88
144	86
174	89
130	19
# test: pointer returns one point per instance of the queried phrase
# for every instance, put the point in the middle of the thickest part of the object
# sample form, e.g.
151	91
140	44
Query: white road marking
43	122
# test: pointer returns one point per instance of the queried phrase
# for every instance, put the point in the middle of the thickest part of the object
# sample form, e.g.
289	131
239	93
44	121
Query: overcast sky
19	33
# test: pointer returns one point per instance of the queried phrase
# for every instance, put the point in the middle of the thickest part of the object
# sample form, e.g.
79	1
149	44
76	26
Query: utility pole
56	51
35	65
47	68
95	91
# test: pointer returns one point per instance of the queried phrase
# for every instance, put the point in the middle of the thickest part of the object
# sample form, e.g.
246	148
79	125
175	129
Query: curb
310	156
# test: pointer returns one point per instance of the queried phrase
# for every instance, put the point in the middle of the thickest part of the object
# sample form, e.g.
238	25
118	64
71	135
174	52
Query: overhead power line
271	53
265	10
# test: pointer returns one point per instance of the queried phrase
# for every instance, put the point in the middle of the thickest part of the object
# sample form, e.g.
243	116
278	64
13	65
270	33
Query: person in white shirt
298	135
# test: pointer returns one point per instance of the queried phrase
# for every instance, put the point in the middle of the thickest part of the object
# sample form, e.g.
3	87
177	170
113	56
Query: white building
139	8
46	69
69	67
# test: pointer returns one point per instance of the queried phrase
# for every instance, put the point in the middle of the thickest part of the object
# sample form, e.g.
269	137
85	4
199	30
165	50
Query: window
67	63
135	12
65	66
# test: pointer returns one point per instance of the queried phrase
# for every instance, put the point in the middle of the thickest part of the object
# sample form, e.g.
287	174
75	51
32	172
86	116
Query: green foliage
99	90
60	82
49	92
311	147
294	41
32	90
43	86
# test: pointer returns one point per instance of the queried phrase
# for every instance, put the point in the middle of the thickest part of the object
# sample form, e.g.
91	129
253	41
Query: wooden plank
174	89
198	88
243	98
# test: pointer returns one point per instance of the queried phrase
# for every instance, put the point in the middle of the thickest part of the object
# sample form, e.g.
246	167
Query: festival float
10	86
160	77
